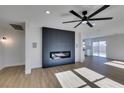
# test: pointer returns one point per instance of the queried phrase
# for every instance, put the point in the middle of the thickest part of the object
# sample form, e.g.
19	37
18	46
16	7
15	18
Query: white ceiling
59	14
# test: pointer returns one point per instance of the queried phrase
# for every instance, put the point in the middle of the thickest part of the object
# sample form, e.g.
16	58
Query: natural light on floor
89	74
108	83
117	64
69	79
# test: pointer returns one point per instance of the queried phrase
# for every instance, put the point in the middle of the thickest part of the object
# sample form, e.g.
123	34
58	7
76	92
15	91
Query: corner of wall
1	68
79	54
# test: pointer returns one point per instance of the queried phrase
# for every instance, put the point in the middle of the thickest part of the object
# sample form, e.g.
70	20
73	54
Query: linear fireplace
60	55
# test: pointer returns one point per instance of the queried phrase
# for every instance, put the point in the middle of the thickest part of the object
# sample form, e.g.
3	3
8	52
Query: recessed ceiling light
47	12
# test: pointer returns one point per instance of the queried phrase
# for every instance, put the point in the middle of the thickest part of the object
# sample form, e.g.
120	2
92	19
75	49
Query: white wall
33	55
12	51
79	53
77	46
104	32
1	52
115	45
113	33
1	56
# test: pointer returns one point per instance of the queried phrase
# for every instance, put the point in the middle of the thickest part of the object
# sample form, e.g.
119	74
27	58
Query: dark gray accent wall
57	40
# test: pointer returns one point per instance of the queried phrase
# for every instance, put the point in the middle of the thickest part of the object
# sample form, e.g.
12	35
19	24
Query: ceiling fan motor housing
84	12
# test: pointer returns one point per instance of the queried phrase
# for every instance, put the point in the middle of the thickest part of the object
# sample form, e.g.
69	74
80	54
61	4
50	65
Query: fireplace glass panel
60	55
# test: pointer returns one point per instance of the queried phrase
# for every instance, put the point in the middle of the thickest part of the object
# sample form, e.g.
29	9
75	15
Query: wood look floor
14	77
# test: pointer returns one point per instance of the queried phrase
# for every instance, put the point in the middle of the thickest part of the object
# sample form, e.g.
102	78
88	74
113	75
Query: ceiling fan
89	18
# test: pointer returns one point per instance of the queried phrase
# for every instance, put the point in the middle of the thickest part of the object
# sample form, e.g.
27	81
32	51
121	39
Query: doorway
99	48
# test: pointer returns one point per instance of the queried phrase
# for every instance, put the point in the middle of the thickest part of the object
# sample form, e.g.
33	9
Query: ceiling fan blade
71	21
99	10
95	19
89	24
76	14
78	24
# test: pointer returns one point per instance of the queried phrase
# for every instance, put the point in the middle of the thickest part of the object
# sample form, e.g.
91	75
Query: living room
41	48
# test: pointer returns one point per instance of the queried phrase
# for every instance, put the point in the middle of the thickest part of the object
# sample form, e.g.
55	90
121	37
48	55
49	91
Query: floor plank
13	77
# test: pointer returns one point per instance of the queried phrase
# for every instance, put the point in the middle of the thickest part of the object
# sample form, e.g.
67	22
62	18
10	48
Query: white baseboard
37	66
1	68
27	71
17	64
12	65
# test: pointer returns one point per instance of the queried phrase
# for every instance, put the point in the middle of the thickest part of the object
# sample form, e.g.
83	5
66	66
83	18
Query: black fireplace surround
58	47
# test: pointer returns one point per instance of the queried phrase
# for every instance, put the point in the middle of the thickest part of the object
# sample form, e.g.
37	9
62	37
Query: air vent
17	27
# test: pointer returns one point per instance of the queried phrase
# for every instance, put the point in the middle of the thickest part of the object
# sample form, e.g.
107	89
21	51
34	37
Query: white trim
12	65
27	71
37	66
5	66
2	68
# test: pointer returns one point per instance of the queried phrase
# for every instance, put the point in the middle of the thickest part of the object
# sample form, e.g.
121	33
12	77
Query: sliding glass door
102	48
95	48
99	48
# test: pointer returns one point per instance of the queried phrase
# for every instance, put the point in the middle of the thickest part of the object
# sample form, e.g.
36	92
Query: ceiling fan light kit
86	19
